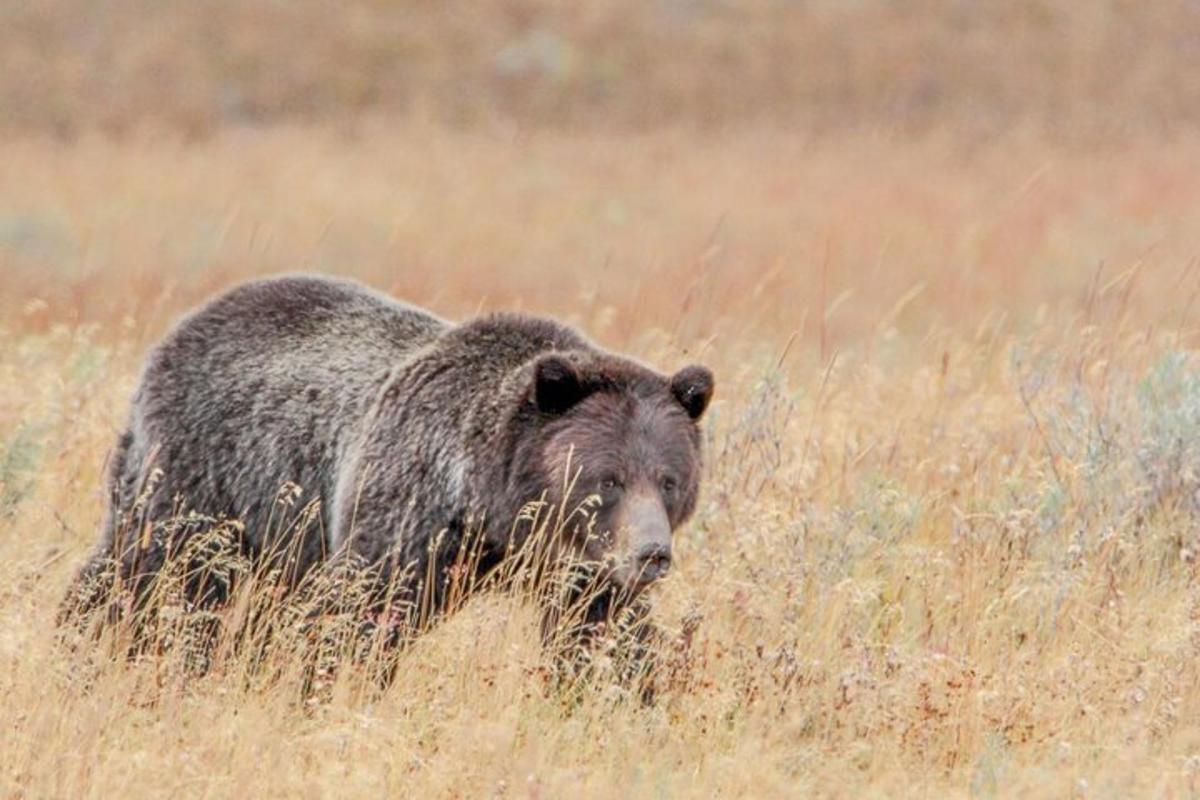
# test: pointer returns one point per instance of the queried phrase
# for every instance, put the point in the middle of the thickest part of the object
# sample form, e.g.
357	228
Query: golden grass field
947	544
949	531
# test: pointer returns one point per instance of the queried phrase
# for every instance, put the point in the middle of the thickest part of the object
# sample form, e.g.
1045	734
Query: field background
941	256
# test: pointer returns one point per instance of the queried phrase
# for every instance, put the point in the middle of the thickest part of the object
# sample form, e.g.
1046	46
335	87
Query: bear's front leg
365	611
606	636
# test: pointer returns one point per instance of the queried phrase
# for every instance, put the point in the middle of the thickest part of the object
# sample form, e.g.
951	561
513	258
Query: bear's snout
651	563
646	540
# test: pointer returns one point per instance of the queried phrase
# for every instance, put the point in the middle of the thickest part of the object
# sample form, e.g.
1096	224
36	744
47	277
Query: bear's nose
653	562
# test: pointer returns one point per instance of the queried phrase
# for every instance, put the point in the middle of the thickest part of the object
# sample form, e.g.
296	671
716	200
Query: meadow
947	542
942	258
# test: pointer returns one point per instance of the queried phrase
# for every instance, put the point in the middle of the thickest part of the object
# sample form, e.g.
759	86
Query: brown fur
418	439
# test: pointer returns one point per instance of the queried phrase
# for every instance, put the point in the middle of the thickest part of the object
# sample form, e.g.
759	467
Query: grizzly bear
414	441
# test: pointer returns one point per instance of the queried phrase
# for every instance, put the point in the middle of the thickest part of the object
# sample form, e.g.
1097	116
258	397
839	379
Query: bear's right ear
693	388
557	384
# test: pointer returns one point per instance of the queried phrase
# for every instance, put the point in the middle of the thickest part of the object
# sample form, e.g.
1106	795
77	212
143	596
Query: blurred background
1072	70
580	159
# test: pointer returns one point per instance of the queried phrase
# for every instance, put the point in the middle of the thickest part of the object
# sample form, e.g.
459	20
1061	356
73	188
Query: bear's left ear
693	387
557	384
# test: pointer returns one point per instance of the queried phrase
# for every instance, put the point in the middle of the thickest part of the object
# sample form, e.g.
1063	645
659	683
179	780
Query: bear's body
409	433
262	387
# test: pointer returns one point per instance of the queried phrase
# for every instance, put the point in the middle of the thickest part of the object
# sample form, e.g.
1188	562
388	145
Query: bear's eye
669	484
610	483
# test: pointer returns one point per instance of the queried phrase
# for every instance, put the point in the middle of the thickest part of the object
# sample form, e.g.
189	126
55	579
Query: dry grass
948	538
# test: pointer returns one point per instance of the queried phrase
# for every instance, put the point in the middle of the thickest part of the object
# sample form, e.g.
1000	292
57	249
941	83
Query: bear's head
617	450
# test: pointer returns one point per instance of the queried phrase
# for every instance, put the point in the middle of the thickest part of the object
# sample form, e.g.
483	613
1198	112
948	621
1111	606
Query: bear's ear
693	387
557	384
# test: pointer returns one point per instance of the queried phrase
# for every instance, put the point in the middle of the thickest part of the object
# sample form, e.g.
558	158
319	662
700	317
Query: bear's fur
419	439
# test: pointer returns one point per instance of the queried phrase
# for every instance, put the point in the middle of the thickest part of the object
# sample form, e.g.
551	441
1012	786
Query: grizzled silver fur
406	428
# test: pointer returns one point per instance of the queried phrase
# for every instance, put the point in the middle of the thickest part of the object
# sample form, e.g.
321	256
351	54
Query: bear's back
264	385
278	316
283	333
